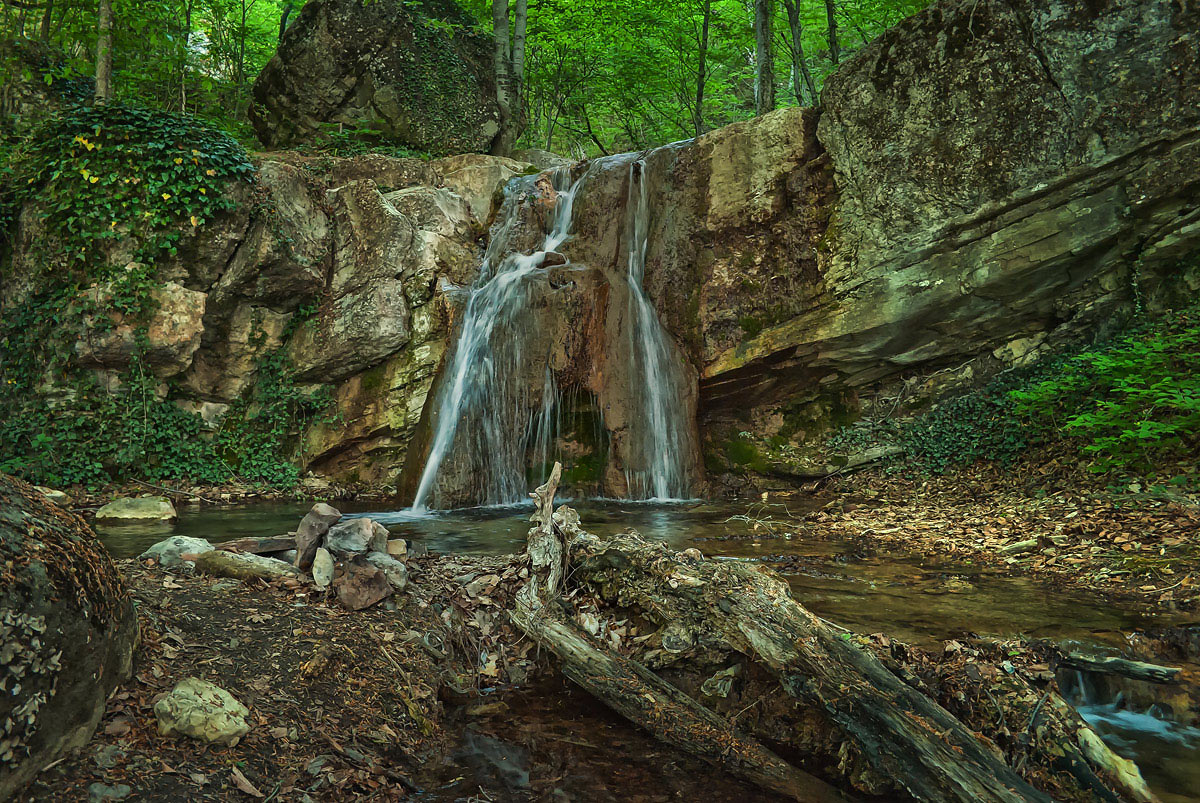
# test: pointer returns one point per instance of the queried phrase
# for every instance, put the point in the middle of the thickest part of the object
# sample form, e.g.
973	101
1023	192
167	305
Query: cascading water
479	378
660	438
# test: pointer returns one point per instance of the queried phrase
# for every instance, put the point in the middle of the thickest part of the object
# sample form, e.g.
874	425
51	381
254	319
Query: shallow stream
868	590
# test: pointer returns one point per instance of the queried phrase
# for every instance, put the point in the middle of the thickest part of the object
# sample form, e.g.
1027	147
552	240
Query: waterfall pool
866	589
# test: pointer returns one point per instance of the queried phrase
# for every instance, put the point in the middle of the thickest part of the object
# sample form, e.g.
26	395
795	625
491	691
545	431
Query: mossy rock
68	628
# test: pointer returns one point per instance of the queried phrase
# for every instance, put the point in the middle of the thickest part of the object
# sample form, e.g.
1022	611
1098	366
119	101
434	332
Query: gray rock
322	568
312	530
344	61
138	509
168	552
356	536
56	496
395	571
200	710
99	792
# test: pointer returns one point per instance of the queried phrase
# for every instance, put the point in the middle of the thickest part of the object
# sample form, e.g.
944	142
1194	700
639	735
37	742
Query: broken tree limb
660	708
1136	670
626	686
869	713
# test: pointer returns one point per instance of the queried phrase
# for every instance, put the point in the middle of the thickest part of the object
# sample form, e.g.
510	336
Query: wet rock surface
138	509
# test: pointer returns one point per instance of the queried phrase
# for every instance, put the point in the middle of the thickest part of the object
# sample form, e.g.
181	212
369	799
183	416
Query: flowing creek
867	590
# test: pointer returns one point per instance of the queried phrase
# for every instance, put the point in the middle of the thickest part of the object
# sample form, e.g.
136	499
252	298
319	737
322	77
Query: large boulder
67	632
394	69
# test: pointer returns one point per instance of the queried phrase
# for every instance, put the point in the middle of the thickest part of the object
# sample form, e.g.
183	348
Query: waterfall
660	441
480	375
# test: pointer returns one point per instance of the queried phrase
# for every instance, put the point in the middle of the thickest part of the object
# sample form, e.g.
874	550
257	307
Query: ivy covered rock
415	75
67	632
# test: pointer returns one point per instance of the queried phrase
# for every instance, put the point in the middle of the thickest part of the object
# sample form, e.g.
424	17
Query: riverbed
851	583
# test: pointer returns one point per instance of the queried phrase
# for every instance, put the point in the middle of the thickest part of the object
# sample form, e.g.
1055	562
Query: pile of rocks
351	555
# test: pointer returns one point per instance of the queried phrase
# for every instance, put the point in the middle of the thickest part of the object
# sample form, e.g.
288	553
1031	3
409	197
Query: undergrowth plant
1130	405
115	189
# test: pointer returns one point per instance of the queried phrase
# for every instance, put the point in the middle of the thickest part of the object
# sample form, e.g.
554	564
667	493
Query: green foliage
111	172
1130	404
101	177
339	140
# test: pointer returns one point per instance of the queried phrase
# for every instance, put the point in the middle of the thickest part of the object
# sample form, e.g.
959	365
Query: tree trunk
799	64
104	53
283	18
47	15
702	68
831	18
867	710
764	58
502	56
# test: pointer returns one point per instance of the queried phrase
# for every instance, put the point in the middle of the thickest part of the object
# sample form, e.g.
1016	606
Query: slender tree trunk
764	58
183	57
44	33
502	54
702	68
799	64
104	53
831	17
283	18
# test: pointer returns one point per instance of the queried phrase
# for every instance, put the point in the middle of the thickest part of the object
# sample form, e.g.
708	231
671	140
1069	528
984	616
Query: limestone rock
395	571
357	536
173	332
243	566
169	552
361	585
383	67
200	710
322	568
397	548
312	530
67	630
478	179
137	509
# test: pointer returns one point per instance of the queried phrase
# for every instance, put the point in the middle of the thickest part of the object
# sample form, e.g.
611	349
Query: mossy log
869	714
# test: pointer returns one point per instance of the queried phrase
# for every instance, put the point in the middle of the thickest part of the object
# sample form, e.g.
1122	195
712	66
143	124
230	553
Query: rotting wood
1136	670
886	713
631	689
259	546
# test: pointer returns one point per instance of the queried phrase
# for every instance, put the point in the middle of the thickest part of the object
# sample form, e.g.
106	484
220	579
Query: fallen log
1136	670
632	690
259	546
865	717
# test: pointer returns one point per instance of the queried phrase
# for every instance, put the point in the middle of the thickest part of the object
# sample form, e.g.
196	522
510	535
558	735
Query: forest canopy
599	76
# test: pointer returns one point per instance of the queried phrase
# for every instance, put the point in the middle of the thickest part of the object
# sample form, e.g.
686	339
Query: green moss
373	379
742	453
750	325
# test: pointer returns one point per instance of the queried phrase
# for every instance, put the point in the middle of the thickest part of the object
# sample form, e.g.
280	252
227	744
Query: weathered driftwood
1137	670
259	546
710	614
630	688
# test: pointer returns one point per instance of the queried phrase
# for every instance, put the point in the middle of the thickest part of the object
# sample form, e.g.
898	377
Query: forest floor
367	705
1041	519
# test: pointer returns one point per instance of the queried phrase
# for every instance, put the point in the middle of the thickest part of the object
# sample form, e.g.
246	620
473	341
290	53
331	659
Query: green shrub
1131	403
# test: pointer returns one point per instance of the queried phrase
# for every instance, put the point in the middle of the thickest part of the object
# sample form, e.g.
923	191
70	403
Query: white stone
322	568
168	552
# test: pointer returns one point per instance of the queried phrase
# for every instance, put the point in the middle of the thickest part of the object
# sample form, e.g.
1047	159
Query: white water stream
480	395
472	378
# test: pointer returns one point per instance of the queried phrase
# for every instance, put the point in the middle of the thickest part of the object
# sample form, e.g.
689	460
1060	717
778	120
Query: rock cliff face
383	67
983	184
980	186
